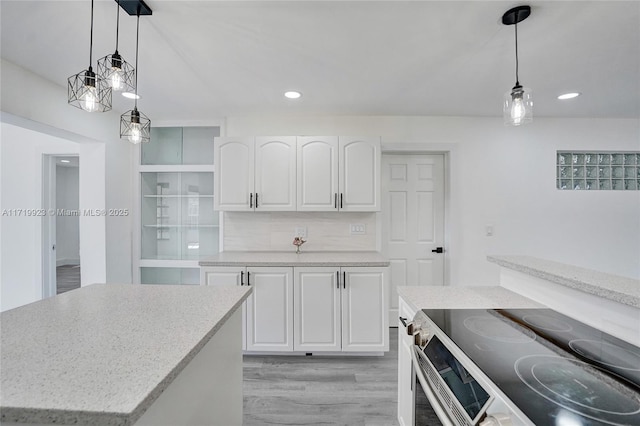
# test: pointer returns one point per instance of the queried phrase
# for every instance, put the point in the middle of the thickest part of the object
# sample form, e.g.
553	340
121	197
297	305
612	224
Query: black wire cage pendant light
117	72
518	102
135	126
87	90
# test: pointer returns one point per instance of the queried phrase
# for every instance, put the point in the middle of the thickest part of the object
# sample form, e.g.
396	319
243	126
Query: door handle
241	277
335	200
344	279
251	200
248	282
338	280
256	200
437	250
341	200
403	320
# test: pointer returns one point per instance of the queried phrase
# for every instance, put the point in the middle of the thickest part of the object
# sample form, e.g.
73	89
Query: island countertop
613	287
480	297
305	258
102	354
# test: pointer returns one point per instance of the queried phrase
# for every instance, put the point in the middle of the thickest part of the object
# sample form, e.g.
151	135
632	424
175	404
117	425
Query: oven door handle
426	387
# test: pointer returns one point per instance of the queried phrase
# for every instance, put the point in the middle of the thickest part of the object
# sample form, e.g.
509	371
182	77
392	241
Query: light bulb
517	110
135	136
89	99
116	79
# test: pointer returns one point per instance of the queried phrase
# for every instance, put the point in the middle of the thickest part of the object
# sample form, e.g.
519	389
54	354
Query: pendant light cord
137	37
117	25
91	38
516	25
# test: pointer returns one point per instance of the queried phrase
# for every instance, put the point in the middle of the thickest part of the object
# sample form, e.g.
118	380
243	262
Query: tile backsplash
274	231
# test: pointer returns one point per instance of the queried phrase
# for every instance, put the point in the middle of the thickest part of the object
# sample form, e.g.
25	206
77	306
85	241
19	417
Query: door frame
49	281
450	153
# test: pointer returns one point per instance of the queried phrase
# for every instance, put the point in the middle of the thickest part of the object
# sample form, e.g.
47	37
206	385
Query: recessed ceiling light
569	95
130	95
292	94
64	161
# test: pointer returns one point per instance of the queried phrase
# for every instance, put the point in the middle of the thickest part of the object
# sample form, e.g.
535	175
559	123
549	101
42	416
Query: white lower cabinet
310	309
270	309
405	370
340	309
268	313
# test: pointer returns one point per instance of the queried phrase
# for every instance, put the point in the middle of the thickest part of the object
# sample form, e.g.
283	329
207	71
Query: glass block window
598	170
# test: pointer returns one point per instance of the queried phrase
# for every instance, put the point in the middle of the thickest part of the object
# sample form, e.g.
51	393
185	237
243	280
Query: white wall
21	188
67	226
505	177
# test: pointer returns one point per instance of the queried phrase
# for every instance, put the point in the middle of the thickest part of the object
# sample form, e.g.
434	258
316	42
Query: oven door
427	408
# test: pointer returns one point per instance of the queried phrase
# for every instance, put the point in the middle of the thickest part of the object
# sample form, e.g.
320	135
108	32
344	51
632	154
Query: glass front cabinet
178	225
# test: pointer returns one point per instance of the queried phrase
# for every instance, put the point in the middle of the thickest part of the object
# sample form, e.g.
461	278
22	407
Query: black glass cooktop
557	370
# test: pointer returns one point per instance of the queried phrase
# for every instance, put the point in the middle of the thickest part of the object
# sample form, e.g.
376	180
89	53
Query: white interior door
413	221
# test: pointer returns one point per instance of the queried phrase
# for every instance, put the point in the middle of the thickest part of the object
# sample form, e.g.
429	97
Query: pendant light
518	102
87	90
135	126
117	72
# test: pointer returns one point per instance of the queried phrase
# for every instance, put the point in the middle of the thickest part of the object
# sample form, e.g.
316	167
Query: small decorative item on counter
297	241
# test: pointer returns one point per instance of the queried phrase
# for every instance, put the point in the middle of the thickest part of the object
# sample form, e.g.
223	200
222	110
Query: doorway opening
62	225
67	223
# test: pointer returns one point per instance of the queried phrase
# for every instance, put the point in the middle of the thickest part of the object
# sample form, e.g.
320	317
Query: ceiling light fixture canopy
134	125
117	72
518	102
88	90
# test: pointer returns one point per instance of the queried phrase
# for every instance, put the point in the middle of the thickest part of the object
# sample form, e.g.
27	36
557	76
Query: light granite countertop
481	297
613	287
102	354
305	258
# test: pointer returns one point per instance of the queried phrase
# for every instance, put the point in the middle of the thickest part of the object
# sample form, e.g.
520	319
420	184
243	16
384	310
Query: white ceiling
209	59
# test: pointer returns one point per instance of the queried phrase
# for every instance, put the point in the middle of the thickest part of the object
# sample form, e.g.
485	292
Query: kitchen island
110	354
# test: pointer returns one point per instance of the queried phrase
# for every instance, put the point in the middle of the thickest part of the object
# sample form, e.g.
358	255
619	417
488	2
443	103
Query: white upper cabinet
255	174
359	174
338	174
234	174
318	173
307	173
275	173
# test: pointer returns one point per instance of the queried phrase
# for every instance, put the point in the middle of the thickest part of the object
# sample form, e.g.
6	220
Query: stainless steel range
522	367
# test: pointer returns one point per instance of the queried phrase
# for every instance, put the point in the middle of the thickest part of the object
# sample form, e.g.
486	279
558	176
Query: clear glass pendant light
517	107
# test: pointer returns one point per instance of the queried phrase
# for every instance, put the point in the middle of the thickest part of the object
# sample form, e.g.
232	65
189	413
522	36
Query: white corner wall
21	189
96	137
505	177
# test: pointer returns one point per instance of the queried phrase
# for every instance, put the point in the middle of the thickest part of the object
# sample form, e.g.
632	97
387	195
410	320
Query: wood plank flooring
67	278
322	390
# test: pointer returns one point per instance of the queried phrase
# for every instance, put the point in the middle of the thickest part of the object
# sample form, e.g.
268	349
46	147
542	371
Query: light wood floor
317	390
67	278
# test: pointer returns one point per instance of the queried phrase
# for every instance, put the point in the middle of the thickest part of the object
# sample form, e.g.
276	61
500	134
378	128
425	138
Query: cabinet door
227	276
270	309
365	310
234	174
359	174
316	309
405	371
317	172
275	169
